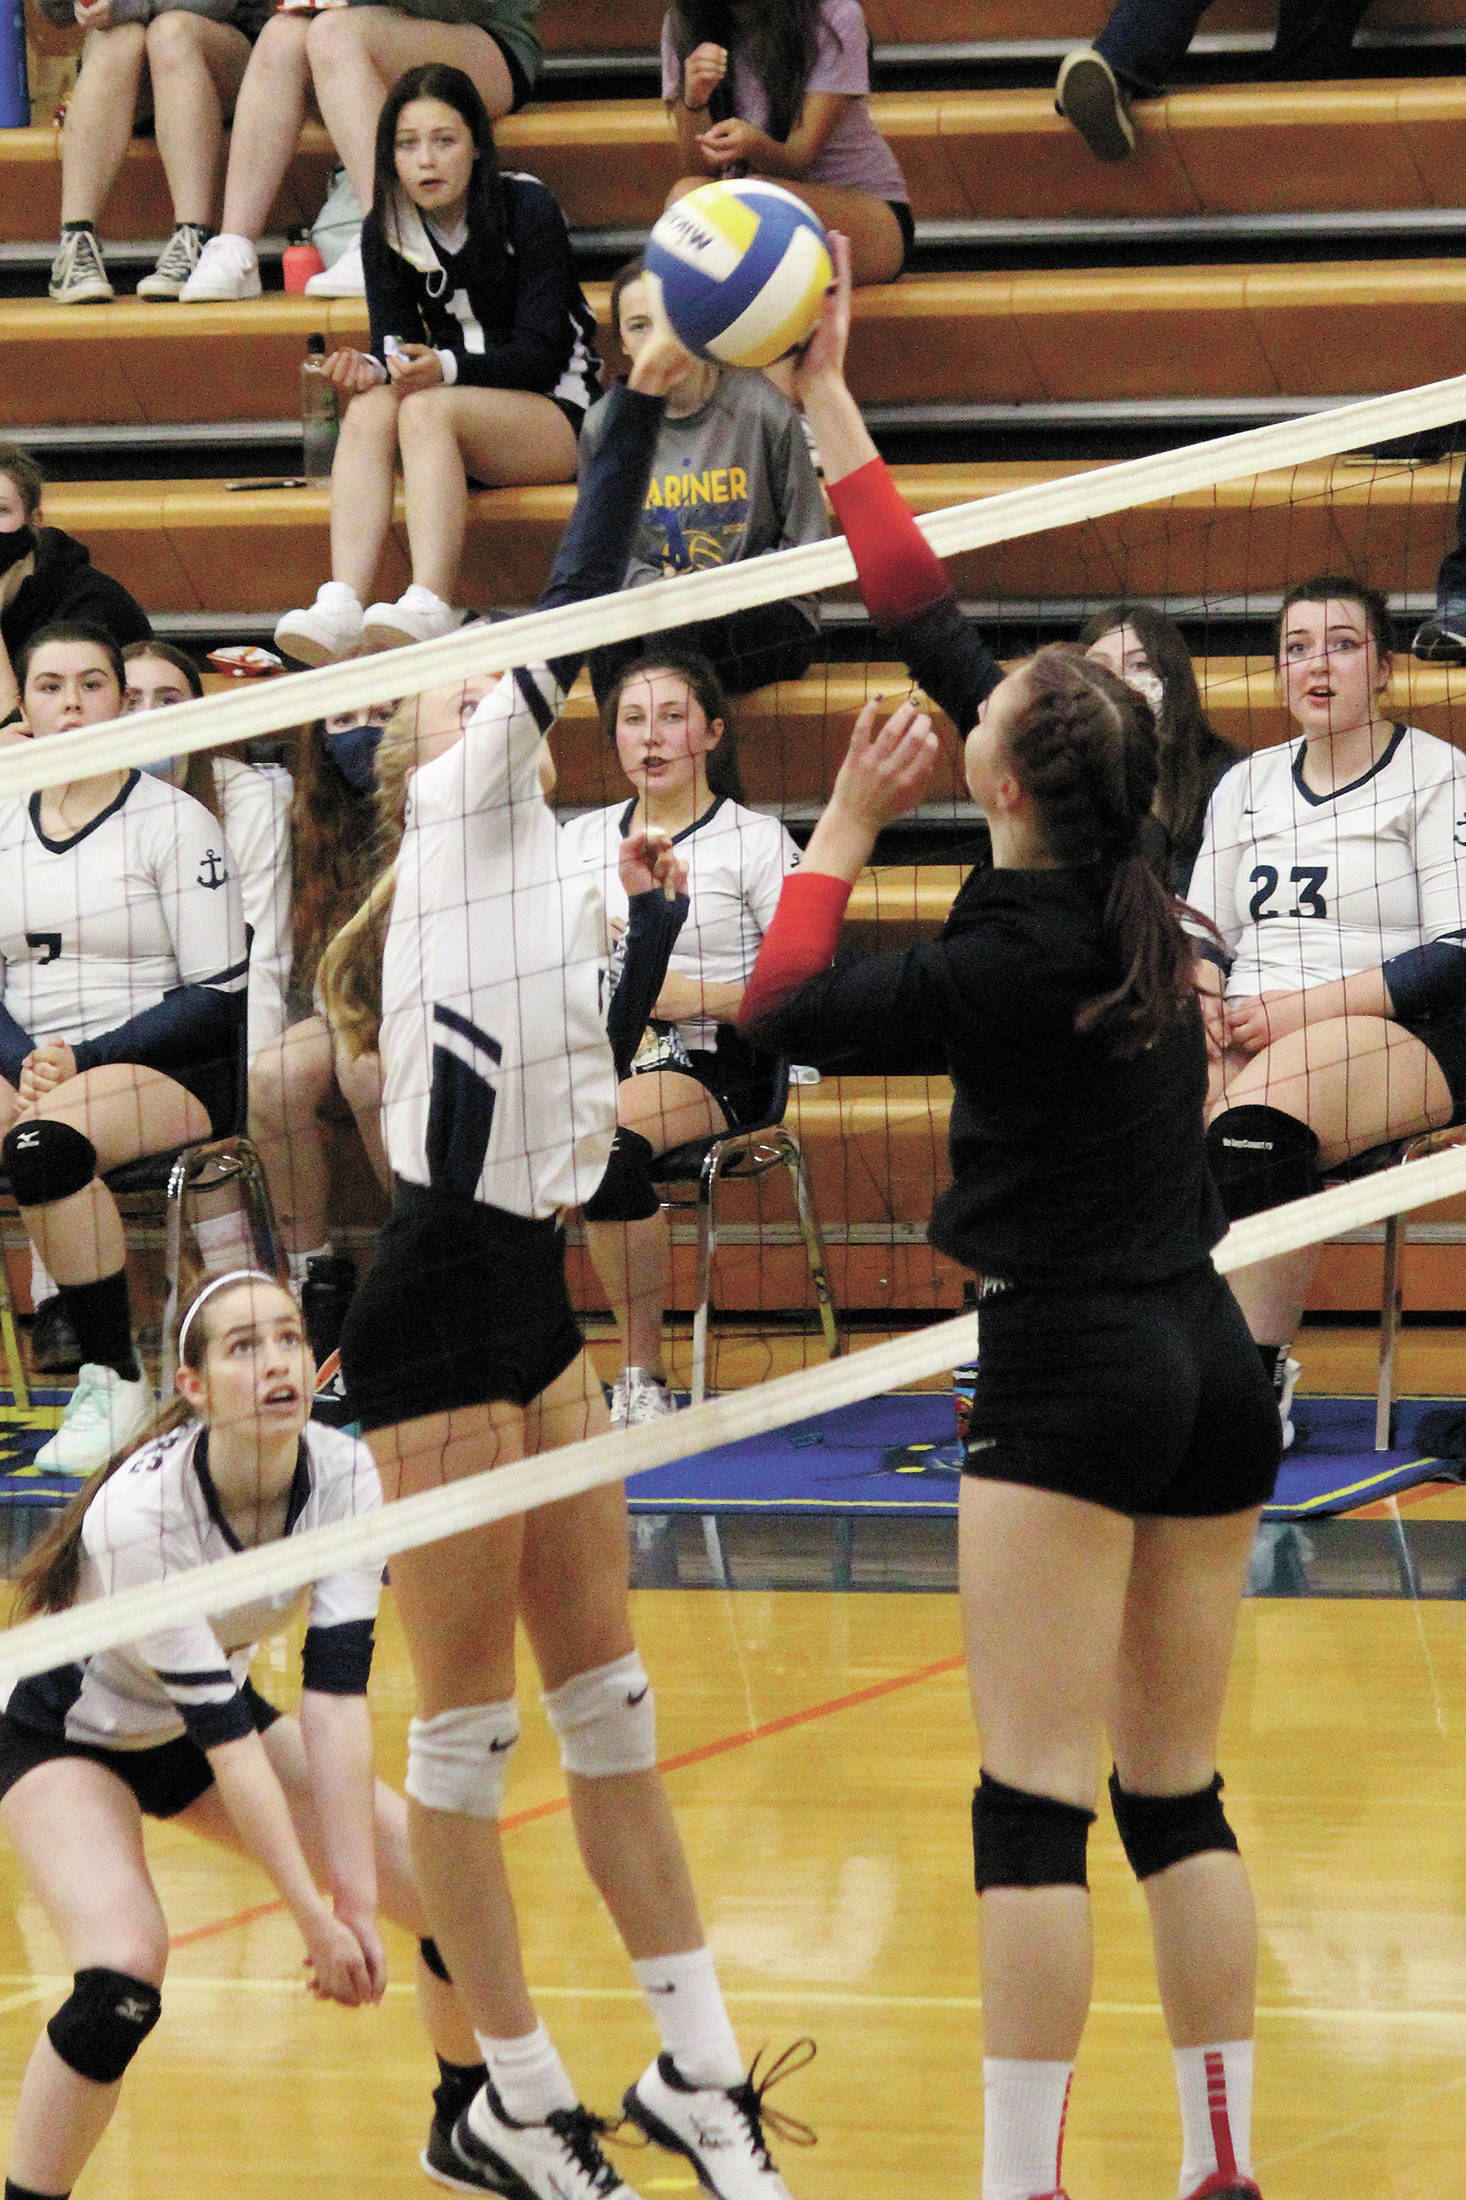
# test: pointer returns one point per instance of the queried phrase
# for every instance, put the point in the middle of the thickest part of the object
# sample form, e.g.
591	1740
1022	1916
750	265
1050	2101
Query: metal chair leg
205	1167
814	1245
1390	1307
707	1246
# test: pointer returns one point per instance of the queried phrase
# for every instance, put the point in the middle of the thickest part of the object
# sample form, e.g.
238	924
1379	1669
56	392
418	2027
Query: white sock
43	1283
1024	2104
1215	2086
528	2075
300	1262
224	1242
686	2000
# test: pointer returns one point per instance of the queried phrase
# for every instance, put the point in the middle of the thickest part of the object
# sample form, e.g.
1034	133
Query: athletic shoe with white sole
560	2159
78	272
324	631
638	1397
417	616
1088	95
344	278
106	1412
228	269
1441	640
443	2165
720	2129
175	263
1291	1373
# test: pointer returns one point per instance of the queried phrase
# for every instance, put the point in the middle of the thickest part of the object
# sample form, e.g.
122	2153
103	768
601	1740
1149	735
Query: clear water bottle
318	418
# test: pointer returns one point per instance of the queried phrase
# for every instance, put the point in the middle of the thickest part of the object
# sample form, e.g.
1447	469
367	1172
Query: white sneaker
719	2129
638	1397
78	272
228	268
175	263
106	1413
417	616
326	630
560	2159
1291	1373
345	278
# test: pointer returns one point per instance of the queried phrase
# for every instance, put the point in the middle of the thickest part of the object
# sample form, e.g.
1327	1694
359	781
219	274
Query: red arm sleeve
799	943
900	574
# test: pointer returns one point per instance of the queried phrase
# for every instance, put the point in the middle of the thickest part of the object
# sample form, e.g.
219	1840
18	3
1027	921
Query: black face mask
353	751
18	544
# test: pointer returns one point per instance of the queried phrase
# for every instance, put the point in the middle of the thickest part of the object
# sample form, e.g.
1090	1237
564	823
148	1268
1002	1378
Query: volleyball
741	268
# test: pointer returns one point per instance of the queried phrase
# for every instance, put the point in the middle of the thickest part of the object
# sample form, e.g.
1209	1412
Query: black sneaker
1442	639
443	2165
328	1289
54	1349
1088	95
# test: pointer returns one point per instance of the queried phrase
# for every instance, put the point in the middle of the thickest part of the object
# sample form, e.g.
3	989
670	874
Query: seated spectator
482	365
347	58
780	88
193	55
46	576
1149	653
732	478
1141	46
122	995
693	1075
1441	639
1334	986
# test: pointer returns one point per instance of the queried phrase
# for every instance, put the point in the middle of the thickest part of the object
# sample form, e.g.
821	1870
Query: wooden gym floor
820	1758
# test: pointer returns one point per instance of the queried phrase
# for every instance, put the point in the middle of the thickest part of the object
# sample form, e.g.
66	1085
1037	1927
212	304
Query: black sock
102	1320
1274	1358
66	228
13	2191
456	2087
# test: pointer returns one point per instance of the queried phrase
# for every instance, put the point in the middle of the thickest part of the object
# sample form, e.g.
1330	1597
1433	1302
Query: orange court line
559	1803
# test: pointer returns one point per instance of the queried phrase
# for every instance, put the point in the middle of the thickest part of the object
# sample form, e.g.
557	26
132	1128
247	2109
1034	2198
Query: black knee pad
626	1192
1022	1840
99	2029
46	1161
1160	1830
1260	1158
432	1956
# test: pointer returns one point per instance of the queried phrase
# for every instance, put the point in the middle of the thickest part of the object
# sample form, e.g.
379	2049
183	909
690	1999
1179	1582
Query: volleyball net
1213	534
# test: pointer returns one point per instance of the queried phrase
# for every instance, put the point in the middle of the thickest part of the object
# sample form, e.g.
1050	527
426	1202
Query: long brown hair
1084	748
1191	751
778	38
350	968
51	1573
332	836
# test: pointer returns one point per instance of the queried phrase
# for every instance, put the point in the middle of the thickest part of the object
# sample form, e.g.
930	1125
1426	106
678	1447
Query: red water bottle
300	260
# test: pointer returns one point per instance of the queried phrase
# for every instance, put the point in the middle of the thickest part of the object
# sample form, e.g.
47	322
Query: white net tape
270	706
266	707
38	1644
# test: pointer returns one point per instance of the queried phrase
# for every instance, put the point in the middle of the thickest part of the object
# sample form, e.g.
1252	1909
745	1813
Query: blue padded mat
899	1454
21	1437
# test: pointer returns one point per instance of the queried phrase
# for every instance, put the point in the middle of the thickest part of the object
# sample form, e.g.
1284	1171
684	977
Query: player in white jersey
1336	995
670	721
461	1351
171	1727
123	964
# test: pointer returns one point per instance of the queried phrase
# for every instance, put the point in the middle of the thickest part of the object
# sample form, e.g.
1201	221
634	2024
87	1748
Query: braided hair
1084	748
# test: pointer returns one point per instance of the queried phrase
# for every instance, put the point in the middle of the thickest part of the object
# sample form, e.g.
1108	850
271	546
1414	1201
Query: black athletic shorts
739	1078
215	1085
907	220
1445	1038
1149	1400
463	1305
165	1779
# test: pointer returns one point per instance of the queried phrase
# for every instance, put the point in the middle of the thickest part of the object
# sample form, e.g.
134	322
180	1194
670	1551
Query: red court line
720	1748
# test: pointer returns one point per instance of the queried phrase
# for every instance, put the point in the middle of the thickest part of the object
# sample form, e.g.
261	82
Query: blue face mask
353	751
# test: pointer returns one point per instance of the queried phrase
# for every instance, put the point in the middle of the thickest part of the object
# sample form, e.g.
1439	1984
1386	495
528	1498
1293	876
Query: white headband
217	1283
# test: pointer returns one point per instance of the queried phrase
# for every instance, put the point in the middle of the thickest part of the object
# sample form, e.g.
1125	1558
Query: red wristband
900	573
799	943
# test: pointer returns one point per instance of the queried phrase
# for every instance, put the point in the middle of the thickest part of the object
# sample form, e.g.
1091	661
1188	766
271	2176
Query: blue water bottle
15	94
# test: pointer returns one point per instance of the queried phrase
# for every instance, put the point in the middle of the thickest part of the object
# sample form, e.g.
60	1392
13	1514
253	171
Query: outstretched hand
888	768
662	360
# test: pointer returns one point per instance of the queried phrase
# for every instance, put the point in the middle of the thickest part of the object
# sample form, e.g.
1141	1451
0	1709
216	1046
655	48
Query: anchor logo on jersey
213	872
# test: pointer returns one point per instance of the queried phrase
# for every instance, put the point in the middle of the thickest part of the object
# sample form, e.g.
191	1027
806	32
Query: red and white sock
1215	2086
1024	2105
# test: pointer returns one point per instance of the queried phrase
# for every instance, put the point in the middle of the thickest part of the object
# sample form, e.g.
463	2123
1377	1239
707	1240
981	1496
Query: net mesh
1213	533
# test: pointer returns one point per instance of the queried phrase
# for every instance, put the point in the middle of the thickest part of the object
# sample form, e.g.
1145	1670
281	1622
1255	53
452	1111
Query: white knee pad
606	1720
458	1760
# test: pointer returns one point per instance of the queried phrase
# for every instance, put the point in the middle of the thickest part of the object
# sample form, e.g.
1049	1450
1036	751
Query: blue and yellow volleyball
741	268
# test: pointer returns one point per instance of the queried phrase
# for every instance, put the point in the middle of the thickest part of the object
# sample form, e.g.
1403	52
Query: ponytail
51	1574
1085	748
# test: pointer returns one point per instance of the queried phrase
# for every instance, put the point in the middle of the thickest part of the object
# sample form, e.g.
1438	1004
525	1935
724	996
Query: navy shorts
1444	1037
464	1305
165	1779
1148	1400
